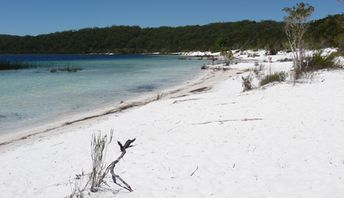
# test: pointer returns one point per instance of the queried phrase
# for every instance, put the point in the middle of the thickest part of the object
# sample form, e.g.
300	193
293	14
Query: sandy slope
277	141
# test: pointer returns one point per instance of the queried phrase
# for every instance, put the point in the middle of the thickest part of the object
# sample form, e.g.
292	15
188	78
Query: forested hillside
327	32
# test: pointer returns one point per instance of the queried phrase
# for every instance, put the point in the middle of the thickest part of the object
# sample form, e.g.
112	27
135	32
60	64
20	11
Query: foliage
295	28
326	32
275	77
317	62
212	37
227	55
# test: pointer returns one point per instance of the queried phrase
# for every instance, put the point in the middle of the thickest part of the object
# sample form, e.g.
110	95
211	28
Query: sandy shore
203	82
280	140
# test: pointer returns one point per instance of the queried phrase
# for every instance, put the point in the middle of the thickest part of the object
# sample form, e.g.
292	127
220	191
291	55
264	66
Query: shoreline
195	142
203	82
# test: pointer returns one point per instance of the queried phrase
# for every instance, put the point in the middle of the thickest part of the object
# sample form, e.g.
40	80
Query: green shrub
275	77
317	62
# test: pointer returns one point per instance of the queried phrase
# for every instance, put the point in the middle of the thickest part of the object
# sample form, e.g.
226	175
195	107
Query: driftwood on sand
229	120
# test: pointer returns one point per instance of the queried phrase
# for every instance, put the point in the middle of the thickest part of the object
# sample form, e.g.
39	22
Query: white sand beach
279	140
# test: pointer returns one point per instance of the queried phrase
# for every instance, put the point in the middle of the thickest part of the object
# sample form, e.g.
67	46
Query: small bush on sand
275	77
317	62
247	83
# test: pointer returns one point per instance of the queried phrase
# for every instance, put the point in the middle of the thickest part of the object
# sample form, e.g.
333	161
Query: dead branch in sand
230	120
96	179
202	89
111	167
176	126
194	171
191	99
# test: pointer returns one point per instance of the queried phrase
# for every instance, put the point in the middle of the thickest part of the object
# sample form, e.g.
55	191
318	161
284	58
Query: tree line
247	34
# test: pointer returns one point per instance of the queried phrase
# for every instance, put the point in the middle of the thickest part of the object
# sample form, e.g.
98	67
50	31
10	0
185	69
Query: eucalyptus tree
296	24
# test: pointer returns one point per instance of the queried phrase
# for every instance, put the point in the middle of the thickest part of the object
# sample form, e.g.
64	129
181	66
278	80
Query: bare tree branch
96	178
111	167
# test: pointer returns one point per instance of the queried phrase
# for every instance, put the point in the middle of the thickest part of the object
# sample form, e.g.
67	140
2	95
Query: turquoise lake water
36	95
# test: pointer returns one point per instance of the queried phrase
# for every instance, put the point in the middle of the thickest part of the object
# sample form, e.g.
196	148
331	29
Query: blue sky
32	17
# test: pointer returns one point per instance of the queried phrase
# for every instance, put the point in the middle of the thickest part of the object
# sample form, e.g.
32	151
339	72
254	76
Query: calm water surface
35	95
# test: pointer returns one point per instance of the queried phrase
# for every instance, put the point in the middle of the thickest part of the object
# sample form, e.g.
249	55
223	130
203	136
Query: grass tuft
275	77
318	62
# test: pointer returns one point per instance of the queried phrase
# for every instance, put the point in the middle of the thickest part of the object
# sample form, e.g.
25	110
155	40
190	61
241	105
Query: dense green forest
327	32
